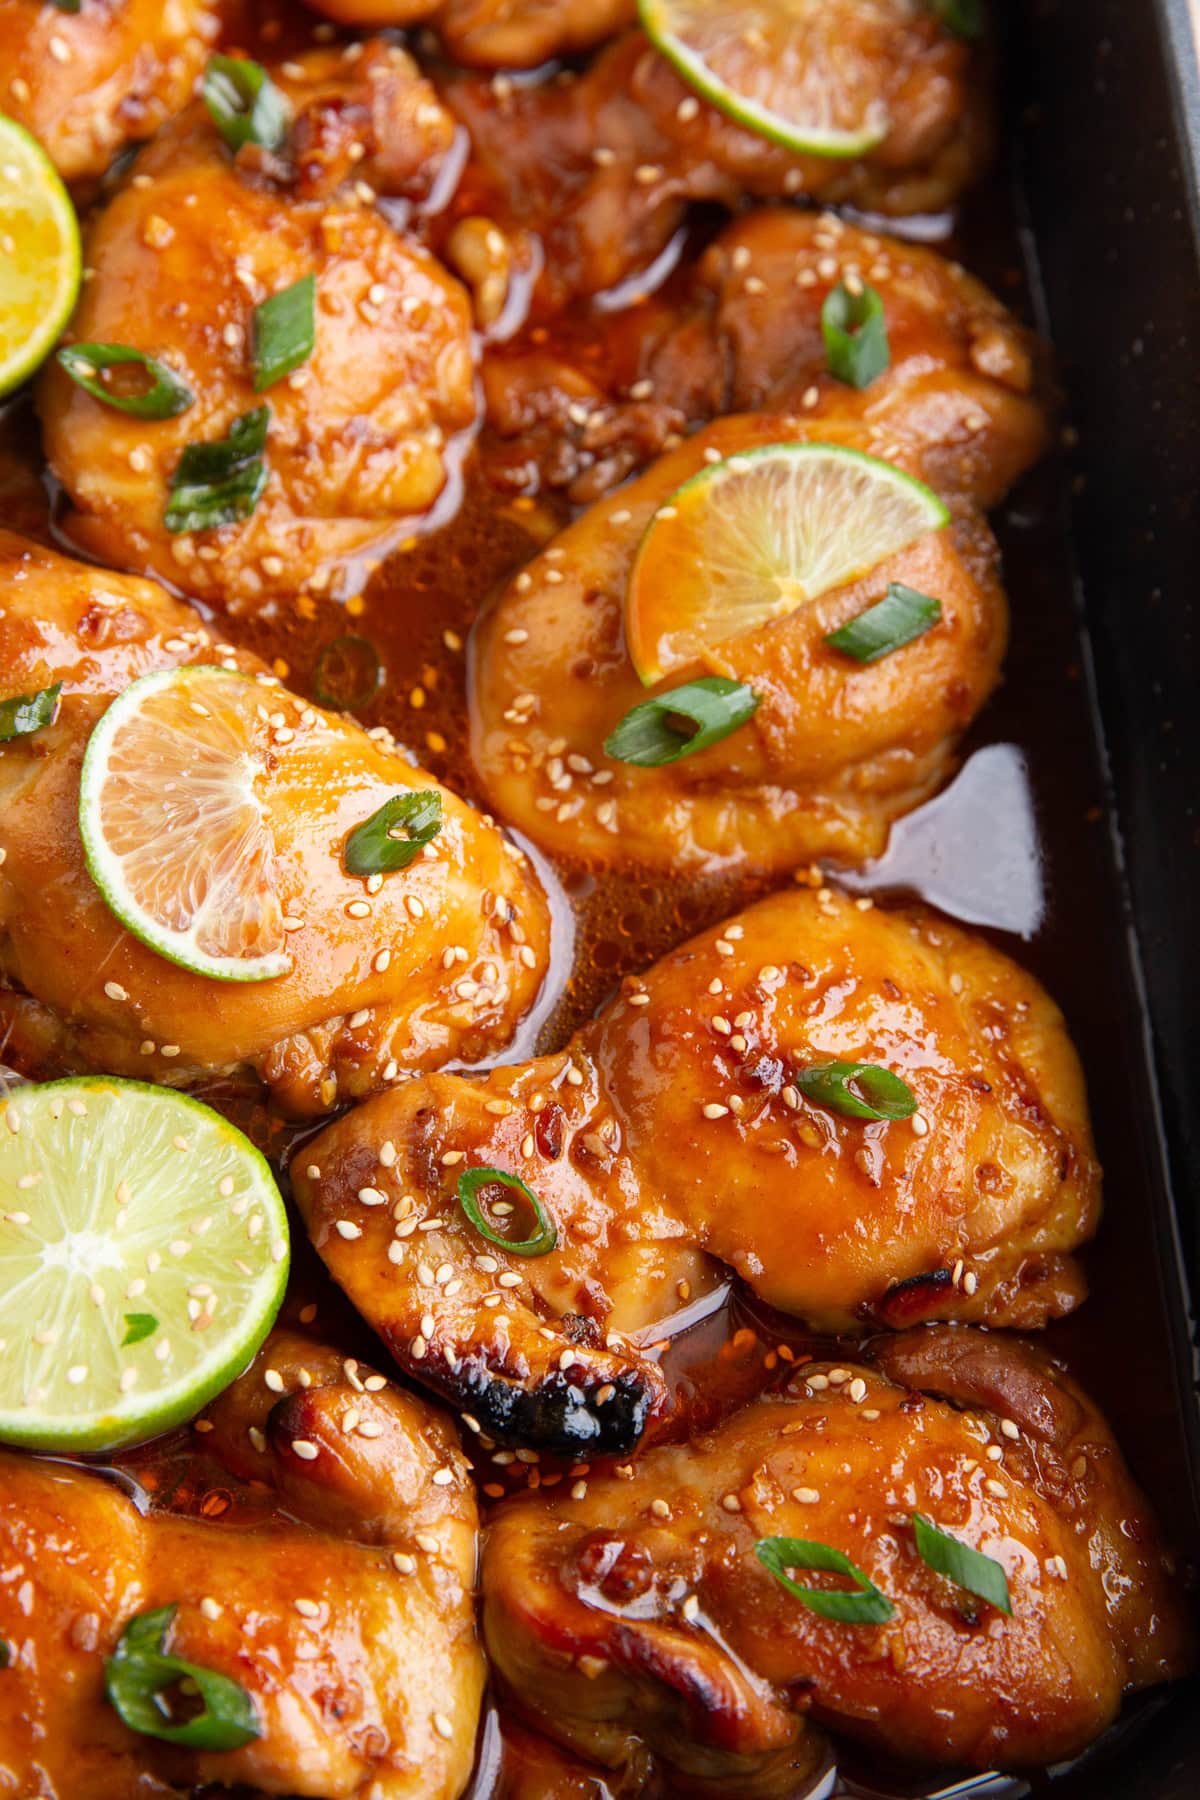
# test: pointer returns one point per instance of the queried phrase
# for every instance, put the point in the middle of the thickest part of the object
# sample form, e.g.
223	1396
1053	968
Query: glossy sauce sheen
418	610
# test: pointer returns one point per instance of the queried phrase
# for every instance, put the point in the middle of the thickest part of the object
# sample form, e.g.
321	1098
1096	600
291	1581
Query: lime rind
803	138
34	195
116	1199
106	868
755	554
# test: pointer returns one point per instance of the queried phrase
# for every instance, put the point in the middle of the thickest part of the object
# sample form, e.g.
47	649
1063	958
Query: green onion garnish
28	712
285	329
966	18
863	1605
165	398
858	1090
139	1676
855	333
245	105
219	483
137	1327
5	1653
348	674
681	722
539	1243
902	615
967	1568
392	837
67	6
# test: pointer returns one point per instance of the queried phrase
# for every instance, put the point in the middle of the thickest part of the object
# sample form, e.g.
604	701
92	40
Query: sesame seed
731	1503
806	1496
442	1725
274	1380
212	1609
346	1228
996	1488
403	1563
442	1477
714	1110
308	1609
305	1449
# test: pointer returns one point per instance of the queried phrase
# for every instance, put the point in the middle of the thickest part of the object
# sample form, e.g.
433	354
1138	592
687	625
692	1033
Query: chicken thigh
320	1553
601	166
681	1126
88	78
635	1612
367	431
836	750
740	330
465	928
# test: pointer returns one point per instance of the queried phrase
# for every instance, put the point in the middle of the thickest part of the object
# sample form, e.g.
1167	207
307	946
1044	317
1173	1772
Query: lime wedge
39	254
752	538
143	1257
176	835
804	73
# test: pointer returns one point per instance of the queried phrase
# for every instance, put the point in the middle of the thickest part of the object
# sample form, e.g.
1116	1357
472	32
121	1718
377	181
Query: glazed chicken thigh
679	1127
636	1608
89	78
519	34
465	927
835	751
740	330
368	431
601	166
325	1563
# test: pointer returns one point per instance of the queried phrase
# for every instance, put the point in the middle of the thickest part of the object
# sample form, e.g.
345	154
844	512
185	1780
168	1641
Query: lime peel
116	1195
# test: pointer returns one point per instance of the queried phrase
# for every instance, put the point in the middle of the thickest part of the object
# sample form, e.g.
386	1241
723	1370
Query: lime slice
175	833
39	254
804	73
752	538
143	1257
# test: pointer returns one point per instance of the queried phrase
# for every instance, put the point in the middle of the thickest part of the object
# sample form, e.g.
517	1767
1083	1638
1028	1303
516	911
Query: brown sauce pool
1031	793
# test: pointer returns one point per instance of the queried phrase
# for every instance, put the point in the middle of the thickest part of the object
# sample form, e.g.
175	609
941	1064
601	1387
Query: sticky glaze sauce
1047	891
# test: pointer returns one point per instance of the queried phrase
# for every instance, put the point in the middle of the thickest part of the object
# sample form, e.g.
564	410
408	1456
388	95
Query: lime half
752	538
175	830
39	254
804	73
143	1257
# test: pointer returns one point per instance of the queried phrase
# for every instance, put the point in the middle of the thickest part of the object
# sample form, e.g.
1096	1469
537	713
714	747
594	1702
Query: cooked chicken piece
375	15
87	79
336	1591
365	435
742	331
601	166
519	34
641	1611
535	1769
466	926
836	750
672	1130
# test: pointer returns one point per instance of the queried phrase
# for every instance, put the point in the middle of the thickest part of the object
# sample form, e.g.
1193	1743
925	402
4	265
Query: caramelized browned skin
741	331
836	750
638	1610
88	81
335	1026
670	1131
601	167
367	432
374	15
519	34
337	1591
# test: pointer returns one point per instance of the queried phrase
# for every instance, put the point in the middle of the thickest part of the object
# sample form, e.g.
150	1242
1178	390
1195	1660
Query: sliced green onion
67	6
28	712
539	1242
862	1605
165	398
966	18
855	333
139	1675
244	104
965	1567
348	674
5	1653
395	835
858	1090
902	615
219	483
681	722
138	1326
285	329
